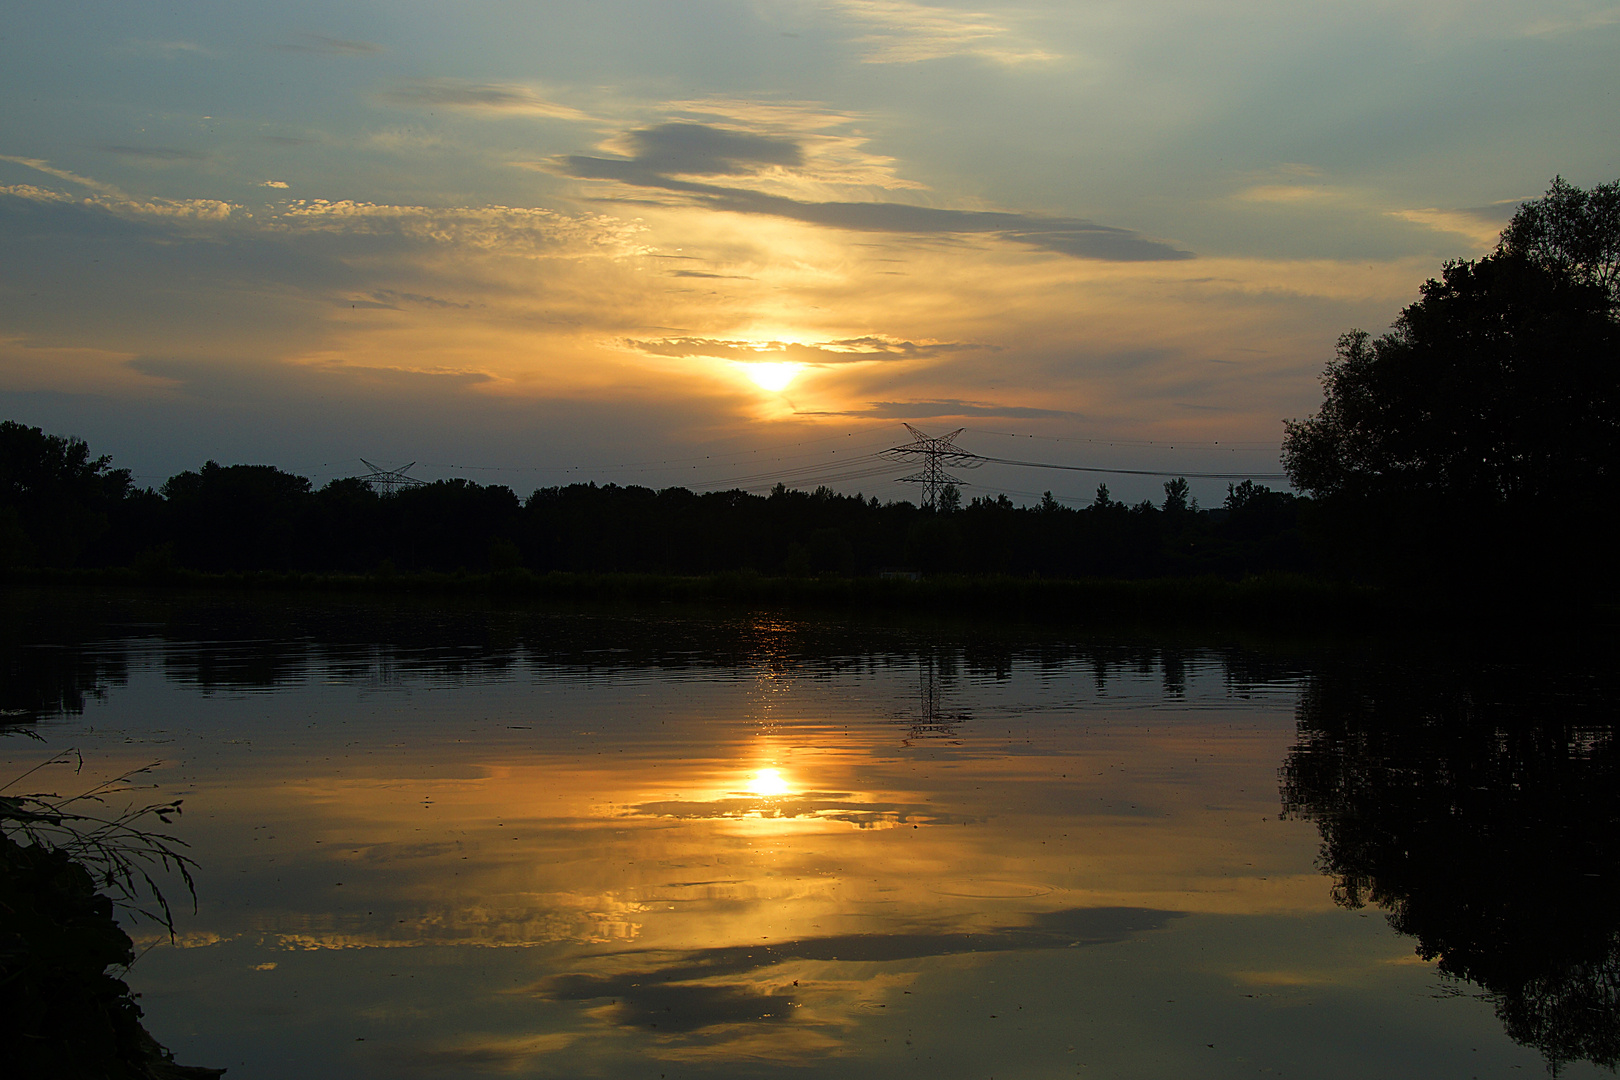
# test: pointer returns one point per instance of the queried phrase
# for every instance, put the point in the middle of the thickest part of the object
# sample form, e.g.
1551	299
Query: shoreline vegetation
1290	602
69	868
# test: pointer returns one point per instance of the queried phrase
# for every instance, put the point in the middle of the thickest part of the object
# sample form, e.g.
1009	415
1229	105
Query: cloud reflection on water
678	994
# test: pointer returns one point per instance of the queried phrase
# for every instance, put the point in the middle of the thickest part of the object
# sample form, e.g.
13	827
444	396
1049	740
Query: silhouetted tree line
62	507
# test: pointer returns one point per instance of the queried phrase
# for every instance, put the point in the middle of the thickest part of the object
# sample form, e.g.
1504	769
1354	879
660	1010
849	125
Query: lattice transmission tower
388	481
936	455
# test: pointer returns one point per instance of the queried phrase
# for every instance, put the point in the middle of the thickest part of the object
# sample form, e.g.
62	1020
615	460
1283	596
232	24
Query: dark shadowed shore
1277	602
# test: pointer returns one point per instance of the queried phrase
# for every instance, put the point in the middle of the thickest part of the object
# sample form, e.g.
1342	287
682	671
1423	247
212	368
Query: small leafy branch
118	852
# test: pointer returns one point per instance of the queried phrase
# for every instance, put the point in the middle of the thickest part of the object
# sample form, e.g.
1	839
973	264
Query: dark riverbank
1277	602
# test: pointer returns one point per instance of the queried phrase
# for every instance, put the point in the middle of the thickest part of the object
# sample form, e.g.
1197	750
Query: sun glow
768	782
773	377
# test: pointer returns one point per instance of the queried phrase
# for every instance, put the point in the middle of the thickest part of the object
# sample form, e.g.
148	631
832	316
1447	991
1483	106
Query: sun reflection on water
768	783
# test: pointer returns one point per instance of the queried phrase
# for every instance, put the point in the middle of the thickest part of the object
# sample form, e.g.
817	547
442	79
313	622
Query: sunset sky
698	243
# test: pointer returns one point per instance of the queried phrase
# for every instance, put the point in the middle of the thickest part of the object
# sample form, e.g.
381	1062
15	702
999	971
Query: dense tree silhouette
246	518
1483	431
54	497
1501	385
236	517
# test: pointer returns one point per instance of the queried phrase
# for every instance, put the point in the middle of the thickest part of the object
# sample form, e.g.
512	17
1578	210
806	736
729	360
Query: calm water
447	842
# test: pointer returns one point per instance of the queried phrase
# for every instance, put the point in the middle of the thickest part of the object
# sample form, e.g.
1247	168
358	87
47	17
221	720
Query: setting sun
773	377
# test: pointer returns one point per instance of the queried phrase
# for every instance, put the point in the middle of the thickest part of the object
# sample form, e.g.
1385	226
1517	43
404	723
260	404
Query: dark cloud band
687	149
666	153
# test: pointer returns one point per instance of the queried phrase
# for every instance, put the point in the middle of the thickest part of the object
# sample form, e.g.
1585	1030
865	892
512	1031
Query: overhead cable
1133	472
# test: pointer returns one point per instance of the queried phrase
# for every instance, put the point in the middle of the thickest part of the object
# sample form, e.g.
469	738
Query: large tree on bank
54	497
1487	421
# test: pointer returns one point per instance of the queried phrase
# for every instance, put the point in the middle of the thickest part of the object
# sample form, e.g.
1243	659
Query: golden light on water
773	377
767	783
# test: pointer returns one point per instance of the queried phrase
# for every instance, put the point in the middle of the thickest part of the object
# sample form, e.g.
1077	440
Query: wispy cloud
946	409
1587	17
475	1055
794	148
164	50
508	230
28	366
1481	224
393	298
188	210
331	46
275	184
688	149
1075	237
523	232
508	99
817	354
657	157
901	32
706	274
40	165
1284	193
1288	182
159	154
403	140
785	116
1296	188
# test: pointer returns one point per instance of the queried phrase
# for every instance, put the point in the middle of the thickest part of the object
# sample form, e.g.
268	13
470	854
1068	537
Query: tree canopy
1574	232
1497	392
54	497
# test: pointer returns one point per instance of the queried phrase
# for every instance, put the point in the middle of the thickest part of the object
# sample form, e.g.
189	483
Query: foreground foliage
63	864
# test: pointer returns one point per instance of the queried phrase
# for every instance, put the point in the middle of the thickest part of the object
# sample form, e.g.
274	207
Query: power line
935	455
1246	445
388	481
865	463
1136	472
652	466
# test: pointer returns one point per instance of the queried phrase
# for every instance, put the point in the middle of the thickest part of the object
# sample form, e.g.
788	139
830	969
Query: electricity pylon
388	481
936	455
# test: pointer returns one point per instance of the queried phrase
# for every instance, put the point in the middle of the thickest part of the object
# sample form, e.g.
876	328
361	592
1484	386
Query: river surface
450	841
